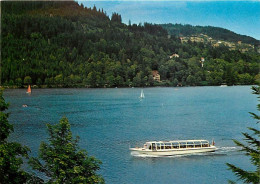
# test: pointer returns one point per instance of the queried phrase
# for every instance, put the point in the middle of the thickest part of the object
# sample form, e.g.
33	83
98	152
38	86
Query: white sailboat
142	94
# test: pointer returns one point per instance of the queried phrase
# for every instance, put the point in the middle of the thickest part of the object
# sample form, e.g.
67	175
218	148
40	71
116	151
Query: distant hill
214	32
64	44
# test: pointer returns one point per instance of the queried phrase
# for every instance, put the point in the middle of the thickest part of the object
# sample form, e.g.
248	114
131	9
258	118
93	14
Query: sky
242	17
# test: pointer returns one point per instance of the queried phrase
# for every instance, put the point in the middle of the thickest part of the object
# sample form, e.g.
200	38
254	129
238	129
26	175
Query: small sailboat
29	91
142	95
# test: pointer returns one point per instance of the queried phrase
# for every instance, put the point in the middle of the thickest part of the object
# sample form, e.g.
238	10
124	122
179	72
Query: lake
109	121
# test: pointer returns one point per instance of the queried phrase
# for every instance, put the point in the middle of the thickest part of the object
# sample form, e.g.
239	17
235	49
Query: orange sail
29	89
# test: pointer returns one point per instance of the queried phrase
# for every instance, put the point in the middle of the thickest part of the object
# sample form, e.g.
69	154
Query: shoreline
82	87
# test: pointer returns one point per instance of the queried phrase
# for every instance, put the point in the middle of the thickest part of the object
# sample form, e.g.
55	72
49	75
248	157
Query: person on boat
213	142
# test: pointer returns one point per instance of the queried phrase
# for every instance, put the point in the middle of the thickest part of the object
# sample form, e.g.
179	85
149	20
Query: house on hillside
174	55
156	75
215	45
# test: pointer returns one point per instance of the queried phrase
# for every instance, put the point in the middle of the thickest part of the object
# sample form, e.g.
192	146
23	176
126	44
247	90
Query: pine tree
252	149
62	161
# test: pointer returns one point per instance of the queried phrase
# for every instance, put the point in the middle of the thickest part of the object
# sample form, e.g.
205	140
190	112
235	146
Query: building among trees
156	75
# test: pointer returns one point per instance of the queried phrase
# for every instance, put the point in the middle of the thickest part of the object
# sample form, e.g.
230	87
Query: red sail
29	89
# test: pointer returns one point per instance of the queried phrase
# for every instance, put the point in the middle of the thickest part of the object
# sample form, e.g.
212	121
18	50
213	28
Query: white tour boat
179	147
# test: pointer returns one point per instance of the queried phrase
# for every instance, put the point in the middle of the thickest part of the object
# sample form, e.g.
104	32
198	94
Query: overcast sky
242	17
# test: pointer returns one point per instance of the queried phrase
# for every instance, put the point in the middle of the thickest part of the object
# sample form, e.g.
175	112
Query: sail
29	89
142	94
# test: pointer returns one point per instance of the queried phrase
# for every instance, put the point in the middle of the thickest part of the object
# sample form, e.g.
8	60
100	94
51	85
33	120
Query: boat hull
171	152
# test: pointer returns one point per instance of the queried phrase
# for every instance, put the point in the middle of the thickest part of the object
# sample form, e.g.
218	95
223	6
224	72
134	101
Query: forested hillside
214	32
63	44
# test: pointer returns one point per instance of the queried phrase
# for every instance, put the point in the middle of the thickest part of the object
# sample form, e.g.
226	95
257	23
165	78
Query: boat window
150	147
162	145
182	144
153	146
190	144
197	144
175	145
205	144
158	146
168	146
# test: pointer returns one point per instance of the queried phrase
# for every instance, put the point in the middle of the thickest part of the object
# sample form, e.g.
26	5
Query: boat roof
198	140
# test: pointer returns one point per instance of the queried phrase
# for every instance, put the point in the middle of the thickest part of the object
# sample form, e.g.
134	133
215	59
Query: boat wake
221	151
227	149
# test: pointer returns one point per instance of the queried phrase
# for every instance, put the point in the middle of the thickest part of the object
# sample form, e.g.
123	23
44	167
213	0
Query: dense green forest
64	44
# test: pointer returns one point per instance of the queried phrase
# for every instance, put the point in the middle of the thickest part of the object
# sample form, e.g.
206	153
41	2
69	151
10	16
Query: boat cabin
164	145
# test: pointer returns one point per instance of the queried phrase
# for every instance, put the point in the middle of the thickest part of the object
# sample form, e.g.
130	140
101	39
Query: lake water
109	121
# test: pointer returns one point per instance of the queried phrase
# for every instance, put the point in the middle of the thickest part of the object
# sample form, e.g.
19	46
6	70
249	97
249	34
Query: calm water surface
108	121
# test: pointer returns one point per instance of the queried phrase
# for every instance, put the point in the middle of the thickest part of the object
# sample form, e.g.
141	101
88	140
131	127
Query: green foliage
251	149
11	153
27	80
63	44
175	82
5	128
191	80
62	161
19	82
245	78
58	79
